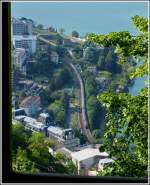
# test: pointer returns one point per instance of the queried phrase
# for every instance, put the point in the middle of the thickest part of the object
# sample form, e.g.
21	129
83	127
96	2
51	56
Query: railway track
83	118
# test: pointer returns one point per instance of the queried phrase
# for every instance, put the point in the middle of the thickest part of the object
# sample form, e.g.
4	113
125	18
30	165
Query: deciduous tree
126	135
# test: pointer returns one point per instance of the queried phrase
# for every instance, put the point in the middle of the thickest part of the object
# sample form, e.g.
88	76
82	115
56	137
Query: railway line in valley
83	117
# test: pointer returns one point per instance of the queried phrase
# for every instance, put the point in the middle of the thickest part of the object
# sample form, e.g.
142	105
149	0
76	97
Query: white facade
64	136
18	27
18	58
29	120
21	27
86	158
27	42
54	57
29	27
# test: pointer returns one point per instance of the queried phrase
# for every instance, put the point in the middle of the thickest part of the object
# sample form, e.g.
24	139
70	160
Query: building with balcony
21	27
28	42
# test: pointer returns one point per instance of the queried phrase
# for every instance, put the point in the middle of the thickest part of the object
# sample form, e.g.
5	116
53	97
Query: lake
138	84
85	17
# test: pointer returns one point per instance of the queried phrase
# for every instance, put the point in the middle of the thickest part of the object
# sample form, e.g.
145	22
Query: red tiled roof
30	100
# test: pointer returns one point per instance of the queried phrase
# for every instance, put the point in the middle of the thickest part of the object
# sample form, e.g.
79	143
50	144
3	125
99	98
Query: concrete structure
29	120
87	158
54	57
21	27
64	136
18	59
31	104
35	126
27	42
31	123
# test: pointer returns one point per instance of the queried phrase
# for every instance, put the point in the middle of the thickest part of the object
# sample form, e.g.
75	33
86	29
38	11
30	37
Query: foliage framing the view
127	45
126	136
30	153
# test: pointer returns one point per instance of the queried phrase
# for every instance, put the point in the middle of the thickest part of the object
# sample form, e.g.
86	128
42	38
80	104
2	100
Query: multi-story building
22	37
21	27
27	42
18	58
65	137
54	57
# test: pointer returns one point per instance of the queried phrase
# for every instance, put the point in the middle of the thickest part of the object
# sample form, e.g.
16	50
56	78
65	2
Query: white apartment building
27	42
21	27
85	159
54	57
18	58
